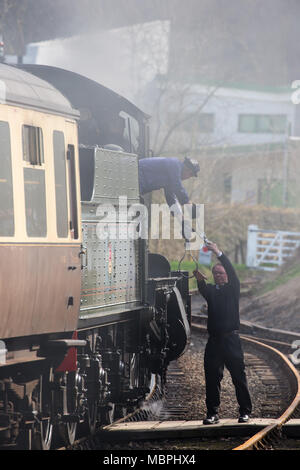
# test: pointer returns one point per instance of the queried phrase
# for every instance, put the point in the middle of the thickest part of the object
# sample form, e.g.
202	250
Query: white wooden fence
268	249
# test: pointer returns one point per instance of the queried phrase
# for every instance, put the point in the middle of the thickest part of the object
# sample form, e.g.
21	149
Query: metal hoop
195	261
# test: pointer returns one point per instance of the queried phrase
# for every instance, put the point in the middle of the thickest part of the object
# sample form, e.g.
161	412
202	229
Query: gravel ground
192	363
192	399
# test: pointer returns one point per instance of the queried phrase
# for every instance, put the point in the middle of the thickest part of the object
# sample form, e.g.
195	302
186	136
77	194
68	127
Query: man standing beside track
223	346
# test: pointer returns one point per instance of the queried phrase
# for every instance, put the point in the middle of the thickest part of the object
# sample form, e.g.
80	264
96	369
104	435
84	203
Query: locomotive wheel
120	412
24	439
134	370
107	414
92	417
67	431
40	436
150	381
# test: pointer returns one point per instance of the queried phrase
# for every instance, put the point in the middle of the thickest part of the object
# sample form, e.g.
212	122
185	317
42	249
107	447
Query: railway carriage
86	321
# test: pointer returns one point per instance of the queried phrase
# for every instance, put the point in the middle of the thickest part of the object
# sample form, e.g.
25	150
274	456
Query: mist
124	59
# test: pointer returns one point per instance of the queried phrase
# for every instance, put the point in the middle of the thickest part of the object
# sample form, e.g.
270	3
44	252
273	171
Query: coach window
33	151
60	184
7	227
34	182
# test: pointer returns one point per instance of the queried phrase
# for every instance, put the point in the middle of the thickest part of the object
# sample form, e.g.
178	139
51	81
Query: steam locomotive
86	322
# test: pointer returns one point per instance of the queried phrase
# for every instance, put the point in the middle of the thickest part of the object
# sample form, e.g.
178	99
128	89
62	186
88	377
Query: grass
190	266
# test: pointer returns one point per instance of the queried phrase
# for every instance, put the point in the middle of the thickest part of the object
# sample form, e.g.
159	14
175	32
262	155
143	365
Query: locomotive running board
59	346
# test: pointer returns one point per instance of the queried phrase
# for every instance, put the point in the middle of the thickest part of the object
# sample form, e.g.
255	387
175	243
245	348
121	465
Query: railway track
165	421
288	389
263	439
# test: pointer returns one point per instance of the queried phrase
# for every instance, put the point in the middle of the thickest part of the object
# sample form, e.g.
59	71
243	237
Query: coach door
73	203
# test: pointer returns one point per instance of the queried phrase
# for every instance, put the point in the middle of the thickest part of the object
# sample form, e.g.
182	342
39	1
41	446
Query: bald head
219	274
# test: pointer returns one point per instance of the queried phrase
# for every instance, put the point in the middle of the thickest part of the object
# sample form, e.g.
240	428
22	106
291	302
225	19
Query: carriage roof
20	88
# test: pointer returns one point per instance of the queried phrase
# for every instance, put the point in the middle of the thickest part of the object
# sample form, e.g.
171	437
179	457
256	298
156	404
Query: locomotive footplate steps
148	430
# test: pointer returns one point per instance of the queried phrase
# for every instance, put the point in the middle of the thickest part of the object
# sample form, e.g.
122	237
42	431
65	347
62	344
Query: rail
256	441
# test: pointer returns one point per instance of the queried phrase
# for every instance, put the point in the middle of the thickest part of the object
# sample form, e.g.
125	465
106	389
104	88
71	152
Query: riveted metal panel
116	174
111	273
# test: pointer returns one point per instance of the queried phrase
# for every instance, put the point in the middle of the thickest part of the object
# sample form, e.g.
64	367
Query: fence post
280	248
251	246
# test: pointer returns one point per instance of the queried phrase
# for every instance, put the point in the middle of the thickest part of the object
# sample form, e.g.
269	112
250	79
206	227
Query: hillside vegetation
275	303
227	225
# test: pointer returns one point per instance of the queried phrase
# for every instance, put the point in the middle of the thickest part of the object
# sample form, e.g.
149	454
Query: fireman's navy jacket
159	172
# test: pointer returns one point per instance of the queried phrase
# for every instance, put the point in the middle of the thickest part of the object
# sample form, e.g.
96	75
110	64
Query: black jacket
223	302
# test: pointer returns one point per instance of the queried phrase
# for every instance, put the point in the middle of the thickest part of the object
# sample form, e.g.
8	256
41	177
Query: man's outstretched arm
202	287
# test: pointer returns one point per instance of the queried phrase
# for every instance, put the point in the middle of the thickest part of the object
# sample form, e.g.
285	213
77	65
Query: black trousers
225	350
